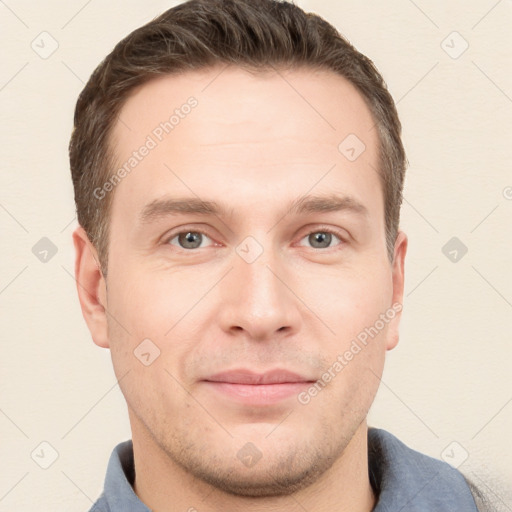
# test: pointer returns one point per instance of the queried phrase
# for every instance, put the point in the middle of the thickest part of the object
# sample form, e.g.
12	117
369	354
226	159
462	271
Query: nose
258	301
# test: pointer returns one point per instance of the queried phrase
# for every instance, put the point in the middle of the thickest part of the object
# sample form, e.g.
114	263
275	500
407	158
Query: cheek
148	304
355	369
147	361
151	320
350	301
353	306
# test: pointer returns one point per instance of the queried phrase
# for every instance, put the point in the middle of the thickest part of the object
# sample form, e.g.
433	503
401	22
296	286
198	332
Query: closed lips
253	378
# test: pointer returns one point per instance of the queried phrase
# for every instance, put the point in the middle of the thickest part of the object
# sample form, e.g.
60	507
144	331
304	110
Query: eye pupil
320	238
190	240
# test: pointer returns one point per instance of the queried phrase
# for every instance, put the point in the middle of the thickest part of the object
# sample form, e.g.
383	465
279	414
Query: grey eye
189	239
320	239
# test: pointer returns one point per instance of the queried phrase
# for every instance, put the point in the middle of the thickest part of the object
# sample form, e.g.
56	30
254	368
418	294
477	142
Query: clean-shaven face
247	247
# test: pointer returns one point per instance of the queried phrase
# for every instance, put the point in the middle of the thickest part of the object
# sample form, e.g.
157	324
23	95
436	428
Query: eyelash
331	231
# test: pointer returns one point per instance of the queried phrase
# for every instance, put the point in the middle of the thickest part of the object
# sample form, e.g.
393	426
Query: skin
254	143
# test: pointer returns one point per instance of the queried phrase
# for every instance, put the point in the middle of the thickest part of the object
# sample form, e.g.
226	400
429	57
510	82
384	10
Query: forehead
303	103
263	135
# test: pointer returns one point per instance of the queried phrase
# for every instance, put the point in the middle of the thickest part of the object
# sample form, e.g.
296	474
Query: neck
164	486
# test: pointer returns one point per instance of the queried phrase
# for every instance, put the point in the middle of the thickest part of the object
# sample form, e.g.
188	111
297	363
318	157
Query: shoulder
100	505
405	478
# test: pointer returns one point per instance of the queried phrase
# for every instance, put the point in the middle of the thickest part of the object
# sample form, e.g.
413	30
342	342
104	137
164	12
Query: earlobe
91	287
398	288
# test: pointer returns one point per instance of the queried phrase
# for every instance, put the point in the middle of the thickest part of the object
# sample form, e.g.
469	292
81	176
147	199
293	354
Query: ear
91	287
398	288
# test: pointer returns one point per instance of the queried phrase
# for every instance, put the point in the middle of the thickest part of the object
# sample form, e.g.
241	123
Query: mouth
250	388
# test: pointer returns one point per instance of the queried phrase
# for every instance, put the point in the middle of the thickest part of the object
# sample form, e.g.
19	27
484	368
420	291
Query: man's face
249	306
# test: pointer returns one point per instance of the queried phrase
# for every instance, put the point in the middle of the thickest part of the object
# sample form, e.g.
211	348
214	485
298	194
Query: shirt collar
402	478
406	480
119	495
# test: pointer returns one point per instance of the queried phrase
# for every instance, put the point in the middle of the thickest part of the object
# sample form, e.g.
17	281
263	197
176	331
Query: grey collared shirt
403	479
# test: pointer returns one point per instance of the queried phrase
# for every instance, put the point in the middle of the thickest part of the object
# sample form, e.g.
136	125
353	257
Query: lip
242	376
251	388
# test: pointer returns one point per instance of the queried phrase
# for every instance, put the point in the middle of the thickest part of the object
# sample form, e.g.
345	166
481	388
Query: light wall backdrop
447	386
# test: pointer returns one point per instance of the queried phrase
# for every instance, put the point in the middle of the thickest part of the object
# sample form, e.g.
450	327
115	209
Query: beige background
449	380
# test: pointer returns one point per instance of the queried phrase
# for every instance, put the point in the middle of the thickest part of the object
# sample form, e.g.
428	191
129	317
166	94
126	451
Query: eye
322	239
189	239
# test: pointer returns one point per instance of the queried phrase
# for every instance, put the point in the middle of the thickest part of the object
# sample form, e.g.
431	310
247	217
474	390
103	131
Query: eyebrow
161	208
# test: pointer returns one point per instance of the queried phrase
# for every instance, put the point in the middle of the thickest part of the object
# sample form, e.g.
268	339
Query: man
238	174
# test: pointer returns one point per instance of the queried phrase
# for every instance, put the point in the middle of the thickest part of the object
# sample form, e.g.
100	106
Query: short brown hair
197	34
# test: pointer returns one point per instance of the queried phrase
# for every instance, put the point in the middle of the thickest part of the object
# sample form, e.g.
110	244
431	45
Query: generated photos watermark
156	136
356	346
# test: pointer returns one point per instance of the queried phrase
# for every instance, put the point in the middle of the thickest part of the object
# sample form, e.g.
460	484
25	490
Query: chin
267	482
